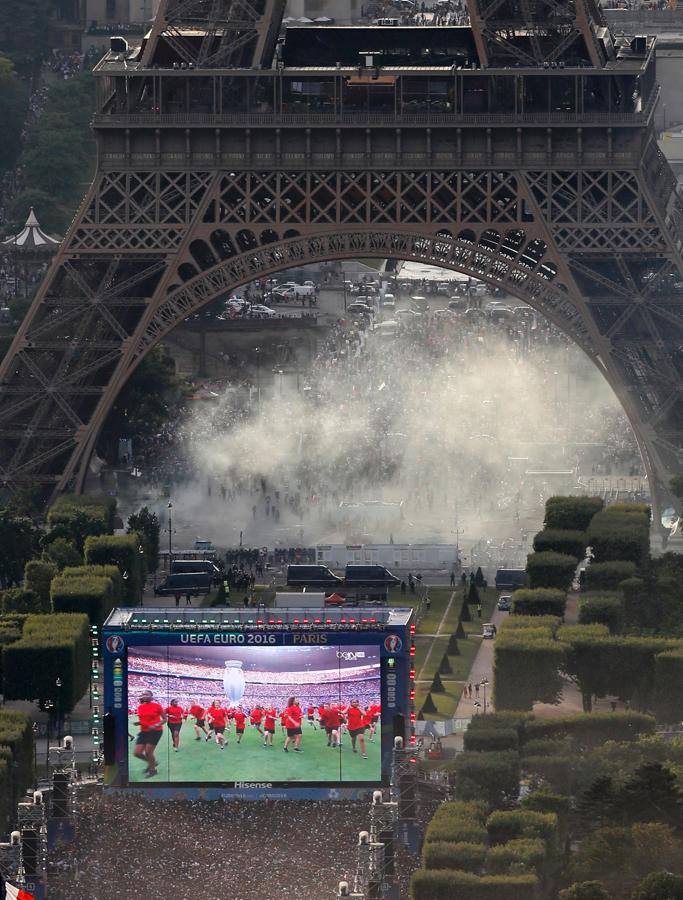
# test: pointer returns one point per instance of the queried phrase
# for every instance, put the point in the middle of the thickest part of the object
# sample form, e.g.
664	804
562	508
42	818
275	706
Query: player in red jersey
332	725
310	715
198	713
342	709
283	721
293	717
256	718
240	720
174	717
151	719
269	716
357	723
218	719
374	711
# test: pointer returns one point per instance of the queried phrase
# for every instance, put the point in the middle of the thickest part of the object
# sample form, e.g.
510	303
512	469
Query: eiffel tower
519	150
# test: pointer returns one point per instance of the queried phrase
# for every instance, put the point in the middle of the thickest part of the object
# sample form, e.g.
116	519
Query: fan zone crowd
216	722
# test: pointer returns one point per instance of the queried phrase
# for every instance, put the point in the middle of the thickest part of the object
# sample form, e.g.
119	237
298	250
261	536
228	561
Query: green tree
23	31
13	98
473	595
584	890
659	886
62	553
18	543
676	485
75	529
621	857
145	404
58	159
596	806
146	524
652	794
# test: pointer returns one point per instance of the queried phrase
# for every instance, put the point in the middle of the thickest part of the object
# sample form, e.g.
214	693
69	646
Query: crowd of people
265	850
445	12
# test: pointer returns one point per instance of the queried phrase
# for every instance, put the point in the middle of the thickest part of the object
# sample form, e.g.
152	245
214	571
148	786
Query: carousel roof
32	237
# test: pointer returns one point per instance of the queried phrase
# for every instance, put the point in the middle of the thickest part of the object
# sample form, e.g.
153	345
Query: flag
10	892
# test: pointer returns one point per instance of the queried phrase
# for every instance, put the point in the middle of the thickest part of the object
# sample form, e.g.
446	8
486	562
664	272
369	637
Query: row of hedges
16	762
20	600
521	731
603	608
508	853
50	647
533	654
551	570
571	513
89	594
607	576
621	533
97	511
539	602
127	554
558	540
550	750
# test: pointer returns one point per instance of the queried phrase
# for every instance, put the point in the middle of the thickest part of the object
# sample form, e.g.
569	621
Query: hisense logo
253	784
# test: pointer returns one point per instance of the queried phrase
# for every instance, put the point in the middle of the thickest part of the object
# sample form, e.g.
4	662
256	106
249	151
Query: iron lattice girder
566	241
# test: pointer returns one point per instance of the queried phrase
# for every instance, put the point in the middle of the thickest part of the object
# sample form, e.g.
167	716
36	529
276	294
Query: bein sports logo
350	654
393	643
253	784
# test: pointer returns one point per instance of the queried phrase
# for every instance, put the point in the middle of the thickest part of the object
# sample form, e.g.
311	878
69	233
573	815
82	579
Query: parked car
489	631
360	309
408	315
389	301
259	311
505	602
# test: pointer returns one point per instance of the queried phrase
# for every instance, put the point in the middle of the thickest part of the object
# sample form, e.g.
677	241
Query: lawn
201	761
446	702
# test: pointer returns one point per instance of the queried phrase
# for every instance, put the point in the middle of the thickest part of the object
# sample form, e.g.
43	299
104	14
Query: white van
298	291
389	301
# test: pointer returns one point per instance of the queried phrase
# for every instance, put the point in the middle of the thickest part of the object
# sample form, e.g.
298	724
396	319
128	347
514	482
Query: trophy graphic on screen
233	680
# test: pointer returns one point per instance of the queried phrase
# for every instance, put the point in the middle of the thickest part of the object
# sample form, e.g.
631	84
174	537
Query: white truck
299	292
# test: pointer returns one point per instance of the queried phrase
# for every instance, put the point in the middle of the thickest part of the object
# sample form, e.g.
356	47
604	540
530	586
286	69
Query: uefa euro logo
115	643
393	643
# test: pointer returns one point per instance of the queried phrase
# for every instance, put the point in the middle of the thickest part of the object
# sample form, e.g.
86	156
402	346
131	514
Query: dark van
510	579
183	566
193	583
312	576
370	576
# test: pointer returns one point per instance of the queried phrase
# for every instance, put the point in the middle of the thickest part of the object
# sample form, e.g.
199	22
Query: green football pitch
201	761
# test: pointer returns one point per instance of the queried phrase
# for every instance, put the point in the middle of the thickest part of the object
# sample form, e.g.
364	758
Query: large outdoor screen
253	687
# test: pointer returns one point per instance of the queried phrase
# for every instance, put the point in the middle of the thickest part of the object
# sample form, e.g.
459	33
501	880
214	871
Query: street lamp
484	684
170	534
35	754
48	706
141	551
58	685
